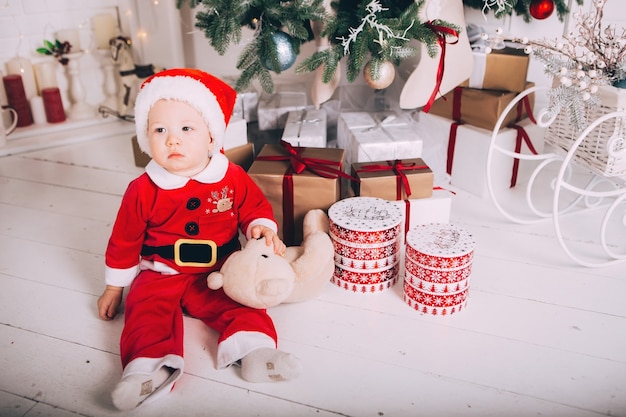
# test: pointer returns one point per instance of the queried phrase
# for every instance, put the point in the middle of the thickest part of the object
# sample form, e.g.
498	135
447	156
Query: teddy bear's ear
215	280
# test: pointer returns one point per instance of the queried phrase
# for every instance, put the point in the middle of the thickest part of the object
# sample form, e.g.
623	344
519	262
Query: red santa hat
210	96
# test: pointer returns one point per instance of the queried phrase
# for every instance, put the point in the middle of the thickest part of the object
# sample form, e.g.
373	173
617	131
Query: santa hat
210	96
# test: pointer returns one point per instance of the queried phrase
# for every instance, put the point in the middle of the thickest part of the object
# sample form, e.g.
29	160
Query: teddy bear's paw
270	365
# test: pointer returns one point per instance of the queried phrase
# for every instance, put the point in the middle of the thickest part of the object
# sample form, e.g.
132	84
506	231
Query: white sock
268	365
132	390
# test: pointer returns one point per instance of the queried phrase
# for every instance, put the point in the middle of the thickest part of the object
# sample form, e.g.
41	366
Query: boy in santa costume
178	222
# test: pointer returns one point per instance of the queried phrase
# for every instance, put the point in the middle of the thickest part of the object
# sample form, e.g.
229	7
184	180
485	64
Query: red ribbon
298	164
399	168
456	116
522	136
441	32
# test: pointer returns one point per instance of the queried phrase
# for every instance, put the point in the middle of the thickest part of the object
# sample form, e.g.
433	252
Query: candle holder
79	109
109	84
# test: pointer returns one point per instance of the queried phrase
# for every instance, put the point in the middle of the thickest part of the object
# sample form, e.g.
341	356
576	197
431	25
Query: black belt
193	252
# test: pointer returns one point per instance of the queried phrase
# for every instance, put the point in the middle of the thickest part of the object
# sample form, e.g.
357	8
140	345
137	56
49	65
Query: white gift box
469	159
273	109
246	105
433	209
376	137
236	133
306	128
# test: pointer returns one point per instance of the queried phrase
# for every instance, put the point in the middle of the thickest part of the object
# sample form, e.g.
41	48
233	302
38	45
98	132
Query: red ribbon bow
399	168
441	32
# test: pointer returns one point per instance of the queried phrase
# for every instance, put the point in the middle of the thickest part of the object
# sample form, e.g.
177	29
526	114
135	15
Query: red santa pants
154	309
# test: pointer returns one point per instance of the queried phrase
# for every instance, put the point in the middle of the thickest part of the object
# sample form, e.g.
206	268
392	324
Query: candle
71	36
3	94
46	75
103	26
17	99
53	105
39	113
23	67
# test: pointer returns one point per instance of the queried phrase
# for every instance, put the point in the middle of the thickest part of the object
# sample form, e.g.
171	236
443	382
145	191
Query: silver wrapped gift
370	137
274	108
306	128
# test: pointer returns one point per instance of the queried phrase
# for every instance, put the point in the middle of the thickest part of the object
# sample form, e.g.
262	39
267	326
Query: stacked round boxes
438	265
365	232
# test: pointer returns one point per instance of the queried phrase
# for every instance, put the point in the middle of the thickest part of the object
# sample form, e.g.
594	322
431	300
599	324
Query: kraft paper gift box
478	107
273	109
241	155
374	137
306	128
501	69
393	180
314	183
467	154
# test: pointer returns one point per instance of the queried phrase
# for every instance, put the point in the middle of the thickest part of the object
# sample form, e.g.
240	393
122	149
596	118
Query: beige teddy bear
256	277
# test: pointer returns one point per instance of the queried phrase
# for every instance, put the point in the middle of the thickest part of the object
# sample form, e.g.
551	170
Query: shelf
36	137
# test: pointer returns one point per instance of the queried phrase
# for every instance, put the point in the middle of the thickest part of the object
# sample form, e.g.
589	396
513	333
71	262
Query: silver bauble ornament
387	74
284	49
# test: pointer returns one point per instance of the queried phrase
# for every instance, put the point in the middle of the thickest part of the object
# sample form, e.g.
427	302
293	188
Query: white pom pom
586	96
566	81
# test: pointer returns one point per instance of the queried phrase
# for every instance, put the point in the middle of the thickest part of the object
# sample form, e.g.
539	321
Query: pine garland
502	8
378	30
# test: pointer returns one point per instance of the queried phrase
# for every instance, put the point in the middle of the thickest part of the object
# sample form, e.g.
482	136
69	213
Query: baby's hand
270	237
109	302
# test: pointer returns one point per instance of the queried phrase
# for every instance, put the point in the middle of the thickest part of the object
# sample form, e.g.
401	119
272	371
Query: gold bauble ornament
387	74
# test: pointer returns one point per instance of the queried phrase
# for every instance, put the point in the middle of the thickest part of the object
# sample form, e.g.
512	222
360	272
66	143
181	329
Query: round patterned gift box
436	287
365	232
438	257
413	295
365	253
437	275
366	264
440	246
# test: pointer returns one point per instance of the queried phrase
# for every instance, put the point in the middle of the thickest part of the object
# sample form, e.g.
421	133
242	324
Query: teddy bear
256	277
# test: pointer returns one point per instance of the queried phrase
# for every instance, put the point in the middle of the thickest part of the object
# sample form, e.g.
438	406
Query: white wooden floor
540	335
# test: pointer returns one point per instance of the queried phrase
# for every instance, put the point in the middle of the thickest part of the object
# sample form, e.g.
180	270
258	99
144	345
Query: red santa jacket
161	210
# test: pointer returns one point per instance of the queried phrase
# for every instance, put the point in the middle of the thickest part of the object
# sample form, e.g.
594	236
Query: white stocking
458	59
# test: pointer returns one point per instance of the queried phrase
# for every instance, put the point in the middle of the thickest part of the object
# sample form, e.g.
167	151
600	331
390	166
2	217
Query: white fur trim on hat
181	87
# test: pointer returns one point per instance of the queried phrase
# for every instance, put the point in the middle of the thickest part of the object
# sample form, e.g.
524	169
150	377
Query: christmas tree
538	9
378	30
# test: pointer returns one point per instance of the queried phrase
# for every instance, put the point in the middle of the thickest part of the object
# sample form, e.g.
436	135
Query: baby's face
179	138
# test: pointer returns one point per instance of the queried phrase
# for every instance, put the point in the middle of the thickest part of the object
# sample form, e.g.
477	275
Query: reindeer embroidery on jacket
221	200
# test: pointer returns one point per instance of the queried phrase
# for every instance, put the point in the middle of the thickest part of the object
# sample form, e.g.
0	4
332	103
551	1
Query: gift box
465	158
420	211
296	180
241	155
501	69
437	268
306	128
374	137
480	108
273	109
393	180
365	232
246	103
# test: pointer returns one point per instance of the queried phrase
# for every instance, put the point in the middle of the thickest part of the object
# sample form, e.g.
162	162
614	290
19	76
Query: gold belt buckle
179	247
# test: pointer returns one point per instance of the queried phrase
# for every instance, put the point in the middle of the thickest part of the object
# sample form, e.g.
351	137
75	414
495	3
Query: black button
193	203
192	228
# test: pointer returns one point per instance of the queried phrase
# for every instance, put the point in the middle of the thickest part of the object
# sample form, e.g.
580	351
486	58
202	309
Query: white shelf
36	137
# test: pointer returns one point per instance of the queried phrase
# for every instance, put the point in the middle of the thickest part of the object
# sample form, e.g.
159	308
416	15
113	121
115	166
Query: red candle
53	105
16	96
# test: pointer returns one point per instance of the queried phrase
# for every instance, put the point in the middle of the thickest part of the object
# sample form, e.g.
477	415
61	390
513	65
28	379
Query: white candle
38	110
22	66
46	75
103	26
71	36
